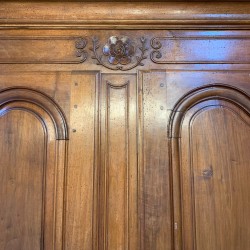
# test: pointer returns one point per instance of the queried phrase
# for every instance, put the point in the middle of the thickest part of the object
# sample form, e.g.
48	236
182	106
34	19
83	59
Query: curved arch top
204	93
43	101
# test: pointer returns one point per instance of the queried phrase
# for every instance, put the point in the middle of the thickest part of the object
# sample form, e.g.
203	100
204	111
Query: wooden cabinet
124	126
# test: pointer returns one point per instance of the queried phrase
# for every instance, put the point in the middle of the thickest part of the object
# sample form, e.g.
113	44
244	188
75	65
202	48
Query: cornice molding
113	15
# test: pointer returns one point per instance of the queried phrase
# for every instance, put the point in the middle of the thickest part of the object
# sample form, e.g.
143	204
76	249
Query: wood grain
22	181
32	170
156	225
207	139
119	167
220	170
124	125
123	15
82	162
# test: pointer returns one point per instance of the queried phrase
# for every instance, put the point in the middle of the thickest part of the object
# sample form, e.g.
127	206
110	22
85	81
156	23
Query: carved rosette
119	50
119	53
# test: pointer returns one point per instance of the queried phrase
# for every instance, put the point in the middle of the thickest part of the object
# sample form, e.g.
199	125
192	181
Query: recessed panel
22	169
219	144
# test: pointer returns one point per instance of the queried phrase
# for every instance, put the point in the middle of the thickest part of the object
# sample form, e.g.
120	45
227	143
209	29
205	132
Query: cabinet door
32	146
210	139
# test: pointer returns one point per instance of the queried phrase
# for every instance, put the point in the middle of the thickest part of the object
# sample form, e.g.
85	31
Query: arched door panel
211	140
31	171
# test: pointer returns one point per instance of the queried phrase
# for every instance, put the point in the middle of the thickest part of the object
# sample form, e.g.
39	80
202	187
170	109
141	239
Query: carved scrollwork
80	46
156	53
119	52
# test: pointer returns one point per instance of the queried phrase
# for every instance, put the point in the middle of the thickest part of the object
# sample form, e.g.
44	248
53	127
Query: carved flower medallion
119	53
119	50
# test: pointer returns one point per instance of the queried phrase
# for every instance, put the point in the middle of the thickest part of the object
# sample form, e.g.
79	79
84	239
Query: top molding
118	15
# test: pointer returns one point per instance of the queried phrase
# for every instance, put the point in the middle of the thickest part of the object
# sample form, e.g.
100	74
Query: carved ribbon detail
119	52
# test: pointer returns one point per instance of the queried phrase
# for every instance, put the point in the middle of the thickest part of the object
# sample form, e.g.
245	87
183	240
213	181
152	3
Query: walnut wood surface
114	15
32	171
124	126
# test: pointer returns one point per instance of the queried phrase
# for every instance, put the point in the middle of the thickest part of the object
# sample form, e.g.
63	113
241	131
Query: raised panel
210	137
42	49
32	170
118	172
220	172
202	48
22	181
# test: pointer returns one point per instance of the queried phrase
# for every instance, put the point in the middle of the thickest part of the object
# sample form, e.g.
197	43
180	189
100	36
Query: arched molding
28	95
205	93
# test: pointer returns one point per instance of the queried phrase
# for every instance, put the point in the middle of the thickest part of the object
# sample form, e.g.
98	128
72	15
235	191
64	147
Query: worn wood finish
123	15
124	126
118	172
31	180
209	137
80	218
21	183
155	49
156	224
